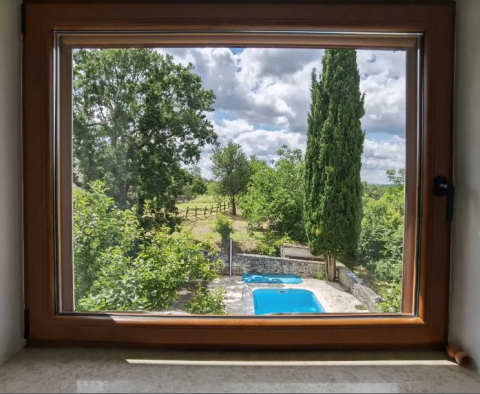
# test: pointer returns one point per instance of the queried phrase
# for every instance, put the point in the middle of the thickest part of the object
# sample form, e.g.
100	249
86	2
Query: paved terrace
333	297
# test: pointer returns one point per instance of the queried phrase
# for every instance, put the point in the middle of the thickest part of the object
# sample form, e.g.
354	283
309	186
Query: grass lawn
201	227
199	202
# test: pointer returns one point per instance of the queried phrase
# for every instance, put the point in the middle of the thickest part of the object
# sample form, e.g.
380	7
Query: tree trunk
331	268
234	208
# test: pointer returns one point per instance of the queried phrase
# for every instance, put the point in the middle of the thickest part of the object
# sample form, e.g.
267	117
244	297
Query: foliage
207	302
119	267
196	185
372	191
272	243
333	190
392	299
320	275
231	169
360	307
97	228
224	227
381	239
138	118
275	194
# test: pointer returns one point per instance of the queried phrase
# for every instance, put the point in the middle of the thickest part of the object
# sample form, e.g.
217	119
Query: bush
98	227
223	226
320	275
392	297
152	280
272	244
207	302
119	268
268	250
381	238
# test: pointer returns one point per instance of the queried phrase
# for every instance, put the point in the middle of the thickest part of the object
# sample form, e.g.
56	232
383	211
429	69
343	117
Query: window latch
445	189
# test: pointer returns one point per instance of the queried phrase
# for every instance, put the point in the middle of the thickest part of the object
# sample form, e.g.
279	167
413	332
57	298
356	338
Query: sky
263	99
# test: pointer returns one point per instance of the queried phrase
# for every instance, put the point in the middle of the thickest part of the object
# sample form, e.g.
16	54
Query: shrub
392	298
267	250
223	226
360	307
207	302
120	268
320	275
98	228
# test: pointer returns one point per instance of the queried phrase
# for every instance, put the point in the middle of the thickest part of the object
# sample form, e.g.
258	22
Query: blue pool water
285	301
285	279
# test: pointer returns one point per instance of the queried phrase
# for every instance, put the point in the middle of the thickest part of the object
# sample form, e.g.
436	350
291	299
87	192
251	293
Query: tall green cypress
333	189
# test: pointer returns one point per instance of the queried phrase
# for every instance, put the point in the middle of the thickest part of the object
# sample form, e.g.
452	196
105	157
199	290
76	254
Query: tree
119	267
271	196
333	190
137	118
231	169
381	240
98	227
196	185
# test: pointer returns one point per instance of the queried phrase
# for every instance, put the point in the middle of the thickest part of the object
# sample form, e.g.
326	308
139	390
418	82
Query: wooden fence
214	209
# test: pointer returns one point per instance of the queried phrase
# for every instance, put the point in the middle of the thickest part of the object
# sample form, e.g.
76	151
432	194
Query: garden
148	226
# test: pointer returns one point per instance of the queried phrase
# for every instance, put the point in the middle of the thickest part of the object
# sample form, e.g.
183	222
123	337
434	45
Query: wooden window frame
425	326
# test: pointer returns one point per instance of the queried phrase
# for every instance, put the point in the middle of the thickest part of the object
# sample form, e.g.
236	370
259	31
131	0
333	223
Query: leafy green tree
137	118
196	185
275	194
119	267
224	227
97	228
207	301
373	191
333	189
381	239
231	169
151	281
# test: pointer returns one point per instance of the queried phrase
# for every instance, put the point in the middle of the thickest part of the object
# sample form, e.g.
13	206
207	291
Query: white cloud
379	156
263	99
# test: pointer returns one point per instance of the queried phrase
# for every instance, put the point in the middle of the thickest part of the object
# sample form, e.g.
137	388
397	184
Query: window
138	132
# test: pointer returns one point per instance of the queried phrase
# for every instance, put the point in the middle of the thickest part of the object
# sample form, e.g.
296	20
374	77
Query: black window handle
442	189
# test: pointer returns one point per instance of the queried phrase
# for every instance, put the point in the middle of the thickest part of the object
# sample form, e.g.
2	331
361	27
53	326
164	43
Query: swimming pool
268	301
285	279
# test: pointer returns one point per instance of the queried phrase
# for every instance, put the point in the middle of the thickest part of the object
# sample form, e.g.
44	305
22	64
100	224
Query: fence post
186	214
211	210
231	256
205	211
195	211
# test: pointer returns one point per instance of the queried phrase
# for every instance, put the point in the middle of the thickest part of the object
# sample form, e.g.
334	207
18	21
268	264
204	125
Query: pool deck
333	297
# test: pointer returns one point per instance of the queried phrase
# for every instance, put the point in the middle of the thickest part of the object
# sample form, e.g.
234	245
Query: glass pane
238	181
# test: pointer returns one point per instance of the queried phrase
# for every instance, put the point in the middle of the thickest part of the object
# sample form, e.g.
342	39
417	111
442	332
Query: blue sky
263	99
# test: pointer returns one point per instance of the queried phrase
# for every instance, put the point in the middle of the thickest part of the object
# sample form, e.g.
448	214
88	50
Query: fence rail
196	212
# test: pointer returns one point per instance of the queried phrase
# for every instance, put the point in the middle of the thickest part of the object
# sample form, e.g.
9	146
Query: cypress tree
333	189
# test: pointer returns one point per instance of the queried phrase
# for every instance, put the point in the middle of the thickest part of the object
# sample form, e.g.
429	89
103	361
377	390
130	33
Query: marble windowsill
113	370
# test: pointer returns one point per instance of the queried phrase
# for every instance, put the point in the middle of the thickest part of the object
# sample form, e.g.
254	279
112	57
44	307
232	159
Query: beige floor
130	371
333	297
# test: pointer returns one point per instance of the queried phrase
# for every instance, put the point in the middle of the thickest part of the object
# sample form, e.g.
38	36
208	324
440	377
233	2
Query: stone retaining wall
259	264
360	291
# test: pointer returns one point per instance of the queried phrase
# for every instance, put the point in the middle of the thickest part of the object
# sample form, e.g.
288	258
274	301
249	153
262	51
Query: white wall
11	282
465	301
